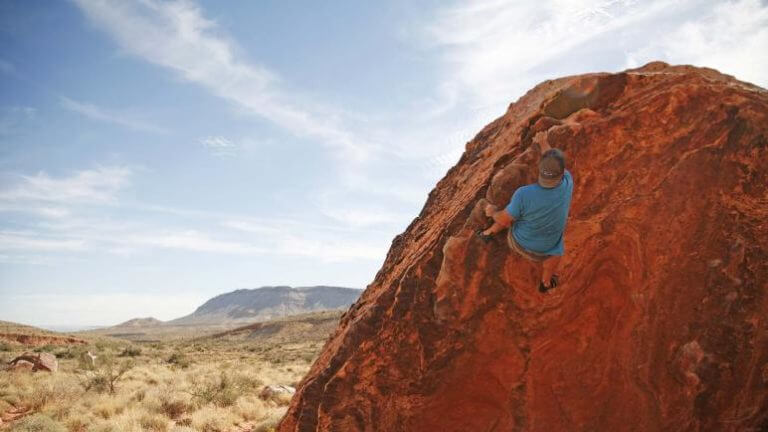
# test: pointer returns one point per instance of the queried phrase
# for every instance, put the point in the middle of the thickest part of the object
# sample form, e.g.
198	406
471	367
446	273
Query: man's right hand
490	209
540	140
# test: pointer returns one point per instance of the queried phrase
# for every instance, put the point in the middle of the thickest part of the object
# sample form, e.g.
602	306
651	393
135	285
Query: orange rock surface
660	322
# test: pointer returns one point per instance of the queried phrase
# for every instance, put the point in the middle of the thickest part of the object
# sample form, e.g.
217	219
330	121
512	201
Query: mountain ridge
246	305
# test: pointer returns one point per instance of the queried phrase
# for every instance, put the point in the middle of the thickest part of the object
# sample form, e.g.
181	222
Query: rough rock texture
660	321
39	361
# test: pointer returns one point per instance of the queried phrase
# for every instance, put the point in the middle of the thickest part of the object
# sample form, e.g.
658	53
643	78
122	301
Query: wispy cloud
107	115
177	36
192	240
34	243
496	50
98	185
731	37
219	146
11	117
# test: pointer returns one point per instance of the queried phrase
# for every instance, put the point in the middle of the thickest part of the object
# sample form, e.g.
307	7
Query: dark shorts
525	253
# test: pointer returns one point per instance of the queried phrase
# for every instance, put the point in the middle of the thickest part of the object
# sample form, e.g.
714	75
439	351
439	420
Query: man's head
551	168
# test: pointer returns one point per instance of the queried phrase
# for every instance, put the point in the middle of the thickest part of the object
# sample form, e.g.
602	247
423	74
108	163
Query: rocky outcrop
39	339
36	362
660	320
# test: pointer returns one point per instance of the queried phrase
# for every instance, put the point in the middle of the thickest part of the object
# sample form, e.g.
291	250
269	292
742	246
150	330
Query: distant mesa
141	322
270	302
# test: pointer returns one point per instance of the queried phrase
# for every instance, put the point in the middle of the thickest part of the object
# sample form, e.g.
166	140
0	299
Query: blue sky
156	153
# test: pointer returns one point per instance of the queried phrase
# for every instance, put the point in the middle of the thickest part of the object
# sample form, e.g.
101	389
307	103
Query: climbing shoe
543	288
483	237
554	281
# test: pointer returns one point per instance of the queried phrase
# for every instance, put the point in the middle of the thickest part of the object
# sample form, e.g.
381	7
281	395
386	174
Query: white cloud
99	185
731	37
35	243
329	250
193	241
177	36
496	50
12	117
107	115
219	146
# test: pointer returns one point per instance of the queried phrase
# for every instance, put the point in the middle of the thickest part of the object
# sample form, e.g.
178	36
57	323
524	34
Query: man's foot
543	288
484	237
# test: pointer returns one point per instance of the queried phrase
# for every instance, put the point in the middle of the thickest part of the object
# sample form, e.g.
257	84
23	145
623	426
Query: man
537	215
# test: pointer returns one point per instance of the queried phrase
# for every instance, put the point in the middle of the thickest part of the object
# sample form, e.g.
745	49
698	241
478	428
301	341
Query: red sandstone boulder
38	361
660	322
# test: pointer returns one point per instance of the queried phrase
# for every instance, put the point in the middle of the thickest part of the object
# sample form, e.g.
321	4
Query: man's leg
501	220
549	267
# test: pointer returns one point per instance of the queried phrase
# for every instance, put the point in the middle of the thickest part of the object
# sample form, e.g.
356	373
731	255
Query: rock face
249	305
660	322
35	362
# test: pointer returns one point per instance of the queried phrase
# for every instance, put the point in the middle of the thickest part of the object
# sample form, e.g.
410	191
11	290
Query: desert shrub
153	423
77	424
130	351
5	347
139	395
179	359
186	421
222	392
213	419
39	423
70	352
250	408
173	408
45	348
105	376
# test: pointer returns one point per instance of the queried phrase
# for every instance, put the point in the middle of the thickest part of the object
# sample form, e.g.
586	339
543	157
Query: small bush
106	375
179	359
39	423
5	347
174	408
222	392
186	421
153	423
45	348
130	351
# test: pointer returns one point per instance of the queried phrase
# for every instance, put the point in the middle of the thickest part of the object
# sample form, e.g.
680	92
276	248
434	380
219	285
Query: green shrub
105	375
179	359
153	423
5	347
173	408
45	348
222	392
131	351
39	423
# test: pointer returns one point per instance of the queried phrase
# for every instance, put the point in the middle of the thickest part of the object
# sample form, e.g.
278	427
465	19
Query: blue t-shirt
540	214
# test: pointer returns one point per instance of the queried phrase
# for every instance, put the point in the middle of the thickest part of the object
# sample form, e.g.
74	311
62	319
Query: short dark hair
557	155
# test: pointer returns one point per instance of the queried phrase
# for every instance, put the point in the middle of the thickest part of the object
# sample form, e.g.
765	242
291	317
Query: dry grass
209	385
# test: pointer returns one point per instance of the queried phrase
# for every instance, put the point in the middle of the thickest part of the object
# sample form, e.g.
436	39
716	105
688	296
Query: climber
537	214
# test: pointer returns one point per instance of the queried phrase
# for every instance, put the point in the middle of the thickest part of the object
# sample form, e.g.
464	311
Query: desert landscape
398	216
239	380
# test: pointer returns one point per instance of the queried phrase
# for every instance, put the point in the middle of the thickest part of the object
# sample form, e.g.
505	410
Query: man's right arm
540	139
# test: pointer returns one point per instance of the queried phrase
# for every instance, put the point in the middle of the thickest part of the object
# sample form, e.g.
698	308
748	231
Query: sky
154	154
